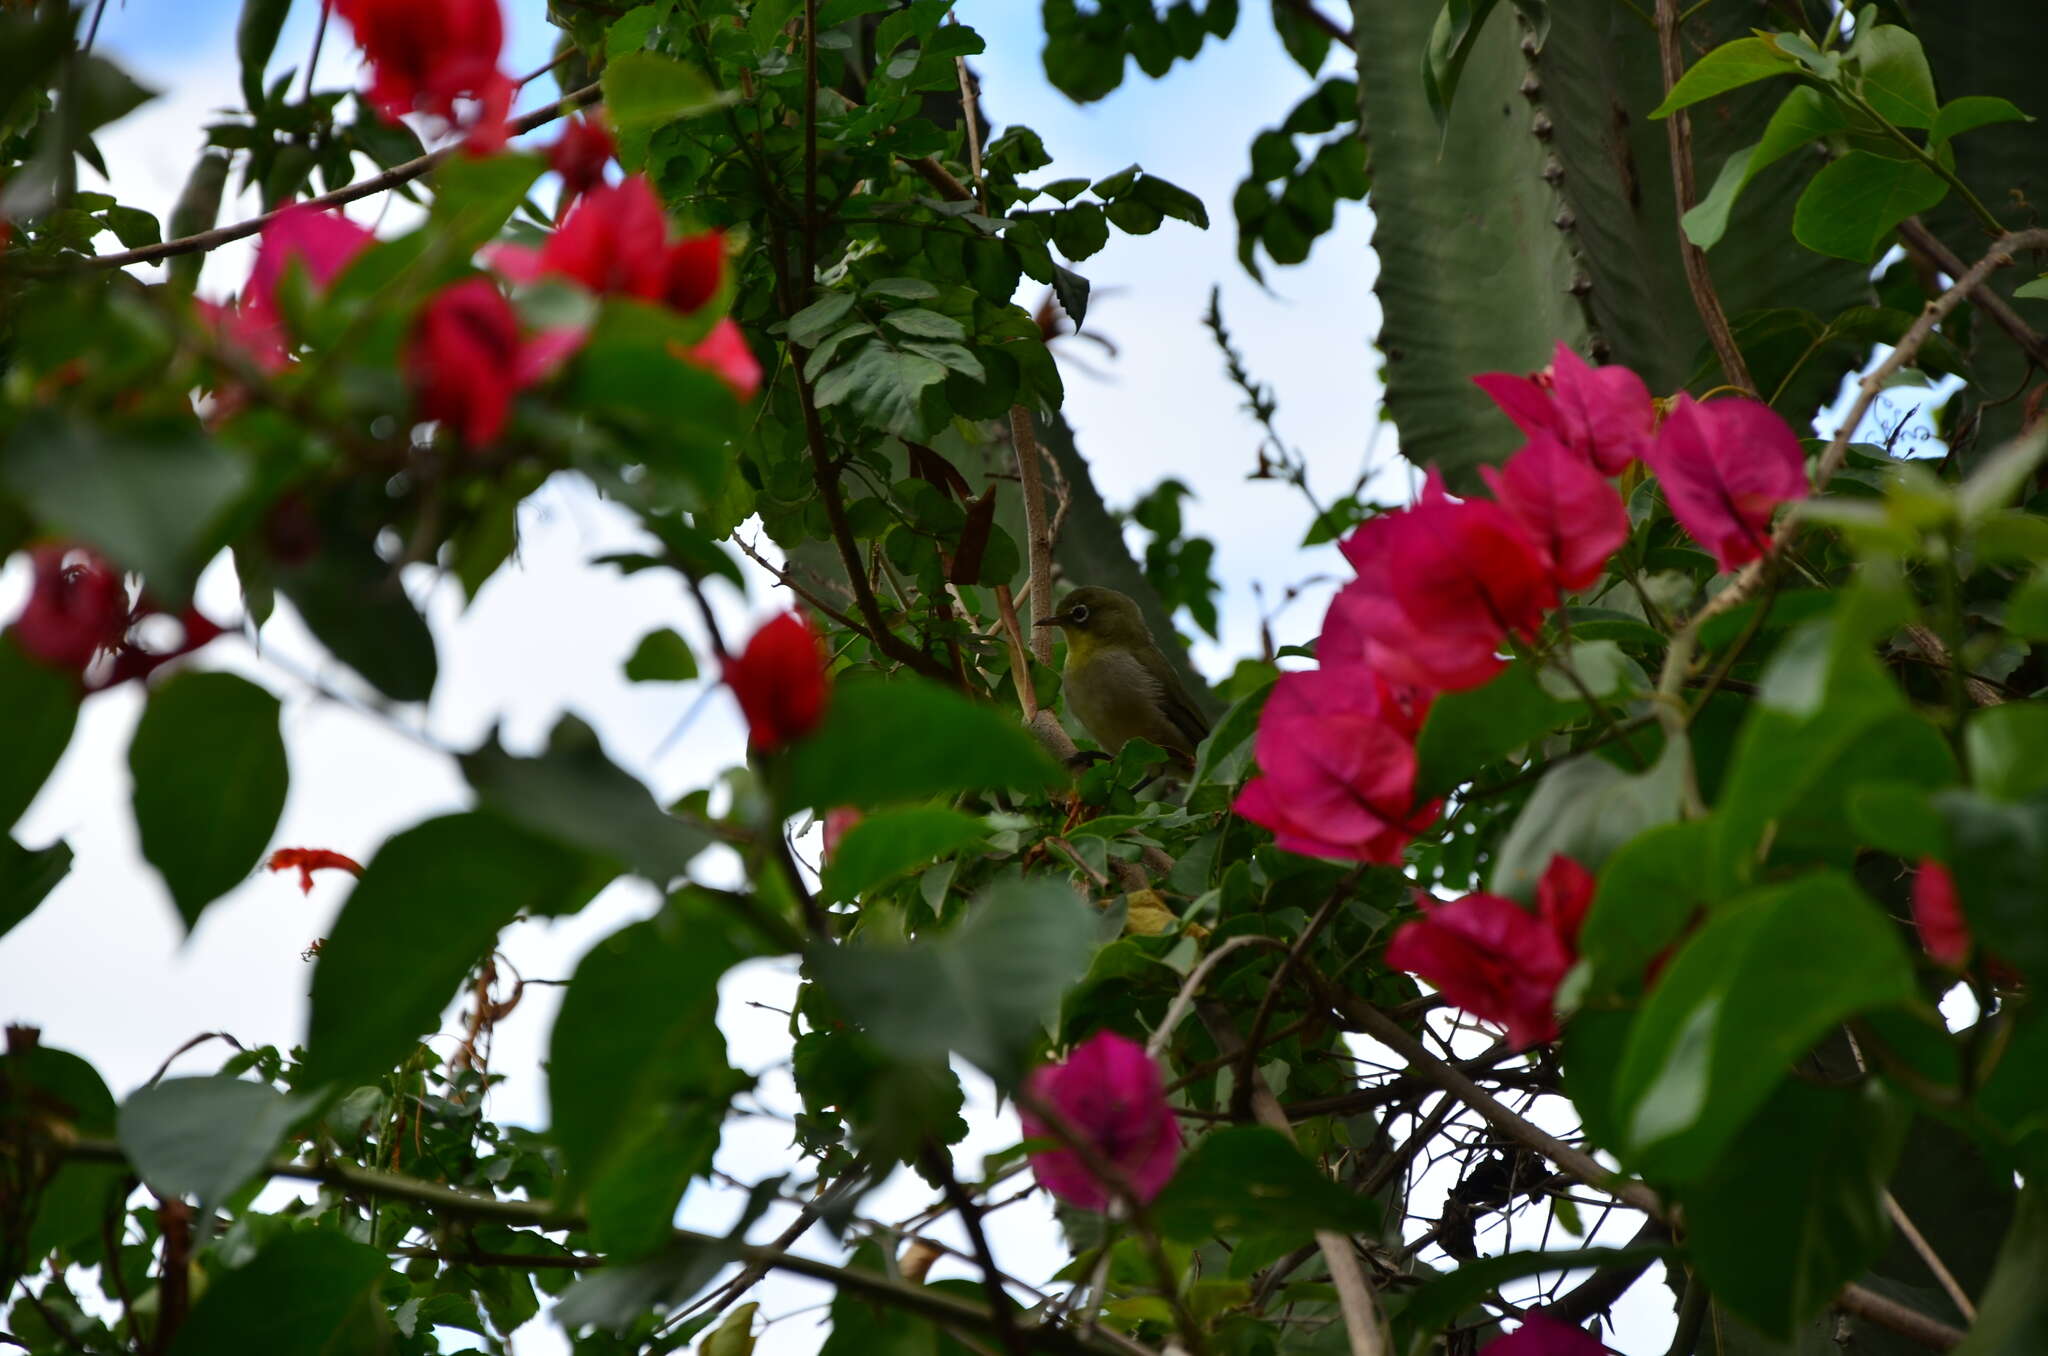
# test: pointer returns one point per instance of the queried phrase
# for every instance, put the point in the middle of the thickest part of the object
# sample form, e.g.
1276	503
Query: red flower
1542	1335
424	55
837	822
696	268
1440	586
579	155
466	359
1110	1095
1938	916
780	682
1570	509
78	609
1603	414
1337	767
725	352
1725	467
1497	960
323	243
309	860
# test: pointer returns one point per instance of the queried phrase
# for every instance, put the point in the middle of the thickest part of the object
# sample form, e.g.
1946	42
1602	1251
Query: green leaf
1999	854
357	607
1729	66
1648	891
2012	1315
884	388
1585	808
1803	117
38	707
1080	230
1970	112
578	797
204	1137
662	657
632	368
210	777
1438	1303
614	1298
890	842
2008	749
635	1056
1458	23
255	39
1769	974
1852	205
646	90
1171	200
152	498
310	1292
1250	1180
475	196
984	989
1467	731
817	320
429	906
72	1206
922	324
1896	79
27	877
1236	726
1794	1208
908	739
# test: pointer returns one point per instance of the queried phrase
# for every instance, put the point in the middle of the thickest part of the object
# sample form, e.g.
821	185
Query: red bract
725	352
615	242
1542	1335
308	860
1337	767
77	607
696	268
1725	467
1569	509
424	55
466	359
580	155
780	682
1497	960
322	243
1603	414
1109	1095
1440	586
1938	916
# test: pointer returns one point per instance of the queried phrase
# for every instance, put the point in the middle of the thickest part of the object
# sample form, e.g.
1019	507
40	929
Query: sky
102	965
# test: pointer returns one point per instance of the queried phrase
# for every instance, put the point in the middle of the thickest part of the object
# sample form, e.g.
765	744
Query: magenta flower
1497	960
1336	750
1725	467
1938	916
1542	1335
1108	1092
1603	414
1573	512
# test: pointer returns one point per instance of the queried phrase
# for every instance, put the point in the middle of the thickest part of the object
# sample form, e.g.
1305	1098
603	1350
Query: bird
1118	684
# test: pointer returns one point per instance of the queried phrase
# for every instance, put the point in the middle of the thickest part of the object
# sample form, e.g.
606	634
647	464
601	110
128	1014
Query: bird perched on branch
1118	684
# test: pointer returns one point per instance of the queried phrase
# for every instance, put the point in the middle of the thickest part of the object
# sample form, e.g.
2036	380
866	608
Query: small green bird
1118	684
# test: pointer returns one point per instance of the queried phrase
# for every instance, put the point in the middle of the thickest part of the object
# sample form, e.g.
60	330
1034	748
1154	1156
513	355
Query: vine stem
1698	277
1743	587
377	183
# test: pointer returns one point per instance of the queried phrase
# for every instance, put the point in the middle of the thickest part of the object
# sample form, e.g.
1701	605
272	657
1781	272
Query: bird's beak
1053	620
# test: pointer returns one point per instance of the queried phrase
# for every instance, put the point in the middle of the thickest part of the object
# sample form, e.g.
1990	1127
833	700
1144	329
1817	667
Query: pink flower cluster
1109	1095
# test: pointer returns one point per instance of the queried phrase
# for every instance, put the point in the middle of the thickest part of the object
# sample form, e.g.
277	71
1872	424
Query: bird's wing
1173	698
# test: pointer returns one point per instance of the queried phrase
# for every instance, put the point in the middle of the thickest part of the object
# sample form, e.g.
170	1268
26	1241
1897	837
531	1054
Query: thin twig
1192	986
939	1163
1957	1295
319	38
1323	21
1930	247
1698	277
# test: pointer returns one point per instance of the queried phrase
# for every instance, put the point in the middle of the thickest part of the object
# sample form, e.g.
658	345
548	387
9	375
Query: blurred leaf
1793	1209
1467	731
428	908
2008	750
69	1090
152	498
356	606
38	707
1999	855
1770	973
27	877
907	739
310	1292
984	989
578	797
2012	1315
635	1050
197	209
1585	808
474	196
1648	891
204	1137
1250	1180
662	656
890	842
209	769
255	39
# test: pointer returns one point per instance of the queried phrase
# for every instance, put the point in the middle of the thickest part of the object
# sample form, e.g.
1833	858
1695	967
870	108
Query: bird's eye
1080	614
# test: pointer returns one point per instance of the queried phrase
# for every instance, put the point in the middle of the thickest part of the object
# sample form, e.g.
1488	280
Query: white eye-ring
1080	614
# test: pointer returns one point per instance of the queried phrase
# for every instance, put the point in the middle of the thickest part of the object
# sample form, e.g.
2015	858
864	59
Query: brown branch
1323	21
939	1163
941	178
1037	531
1929	246
378	183
1698	277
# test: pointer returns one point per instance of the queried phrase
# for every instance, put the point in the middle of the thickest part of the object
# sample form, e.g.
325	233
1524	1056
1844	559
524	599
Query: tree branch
1698	277
376	183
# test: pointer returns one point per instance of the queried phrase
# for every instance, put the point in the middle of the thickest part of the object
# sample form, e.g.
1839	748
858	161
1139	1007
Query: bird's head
1098	618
